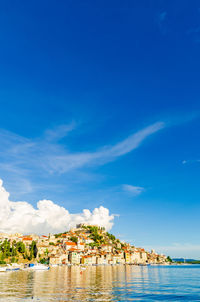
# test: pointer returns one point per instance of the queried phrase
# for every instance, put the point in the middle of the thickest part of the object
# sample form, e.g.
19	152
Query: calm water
111	283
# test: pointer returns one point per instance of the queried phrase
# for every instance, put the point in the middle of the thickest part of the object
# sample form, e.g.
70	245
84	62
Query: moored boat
12	268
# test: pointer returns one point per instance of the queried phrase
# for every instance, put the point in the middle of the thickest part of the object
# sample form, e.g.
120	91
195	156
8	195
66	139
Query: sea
103	283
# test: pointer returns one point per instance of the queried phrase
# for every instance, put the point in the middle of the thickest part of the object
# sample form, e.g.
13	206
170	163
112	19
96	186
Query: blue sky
99	105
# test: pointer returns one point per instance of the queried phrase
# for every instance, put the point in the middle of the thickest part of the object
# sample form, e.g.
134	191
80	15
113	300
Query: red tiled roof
73	250
70	243
27	238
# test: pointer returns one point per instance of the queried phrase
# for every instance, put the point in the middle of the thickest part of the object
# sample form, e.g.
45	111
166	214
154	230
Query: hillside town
83	245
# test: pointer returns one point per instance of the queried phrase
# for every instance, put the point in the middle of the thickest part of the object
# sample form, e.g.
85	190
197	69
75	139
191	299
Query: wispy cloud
59	132
161	21
133	190
190	161
67	161
48	155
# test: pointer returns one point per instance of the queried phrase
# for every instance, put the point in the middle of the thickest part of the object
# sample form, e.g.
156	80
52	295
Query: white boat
38	267
3	269
12	267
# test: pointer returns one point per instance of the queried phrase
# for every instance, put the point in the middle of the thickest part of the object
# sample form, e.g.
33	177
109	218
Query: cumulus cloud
133	190
48	217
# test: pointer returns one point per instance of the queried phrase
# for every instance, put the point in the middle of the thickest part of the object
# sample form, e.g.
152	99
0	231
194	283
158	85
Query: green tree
20	247
74	239
13	260
95	236
33	249
169	259
25	255
6	249
46	252
13	250
110	236
1	256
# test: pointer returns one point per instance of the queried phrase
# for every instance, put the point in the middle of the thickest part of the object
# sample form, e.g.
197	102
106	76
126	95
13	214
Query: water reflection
110	283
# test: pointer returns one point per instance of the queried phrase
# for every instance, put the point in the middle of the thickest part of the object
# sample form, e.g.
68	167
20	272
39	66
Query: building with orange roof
27	240
67	245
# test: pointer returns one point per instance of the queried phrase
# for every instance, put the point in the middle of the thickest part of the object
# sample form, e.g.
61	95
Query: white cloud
130	143
23	159
53	157
133	190
47	217
190	161
62	161
59	132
